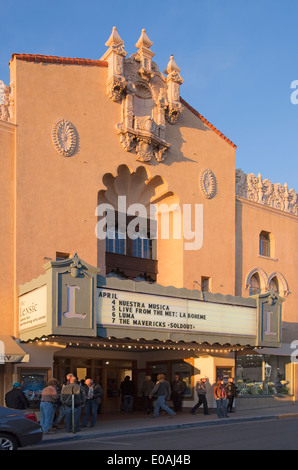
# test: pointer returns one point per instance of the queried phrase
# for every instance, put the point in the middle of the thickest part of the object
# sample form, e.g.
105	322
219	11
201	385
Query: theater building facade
130	245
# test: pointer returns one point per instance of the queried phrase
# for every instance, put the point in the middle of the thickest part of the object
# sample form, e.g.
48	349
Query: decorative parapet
146	96
255	189
6	102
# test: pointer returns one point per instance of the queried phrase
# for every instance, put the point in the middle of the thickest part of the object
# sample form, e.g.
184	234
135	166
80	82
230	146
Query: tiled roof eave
207	123
59	60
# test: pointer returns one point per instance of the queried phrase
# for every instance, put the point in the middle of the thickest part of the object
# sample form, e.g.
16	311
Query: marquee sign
116	308
73	299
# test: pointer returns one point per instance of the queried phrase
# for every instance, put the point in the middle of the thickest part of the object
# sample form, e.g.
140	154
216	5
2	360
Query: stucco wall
252	218
57	196
7	133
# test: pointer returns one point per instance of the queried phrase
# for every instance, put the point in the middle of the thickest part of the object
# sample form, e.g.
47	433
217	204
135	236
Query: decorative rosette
208	183
64	137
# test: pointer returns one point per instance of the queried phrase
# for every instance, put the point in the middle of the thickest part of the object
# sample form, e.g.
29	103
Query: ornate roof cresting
255	189
147	97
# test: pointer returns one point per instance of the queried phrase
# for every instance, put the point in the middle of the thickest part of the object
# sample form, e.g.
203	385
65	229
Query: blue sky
237	58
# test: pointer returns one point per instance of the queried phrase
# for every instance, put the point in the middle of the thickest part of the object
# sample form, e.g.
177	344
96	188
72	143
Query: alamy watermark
132	221
294	94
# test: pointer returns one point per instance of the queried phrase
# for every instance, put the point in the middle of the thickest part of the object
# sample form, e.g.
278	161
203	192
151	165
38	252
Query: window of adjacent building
259	374
264	244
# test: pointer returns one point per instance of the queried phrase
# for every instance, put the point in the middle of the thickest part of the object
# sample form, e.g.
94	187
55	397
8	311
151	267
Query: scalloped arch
138	187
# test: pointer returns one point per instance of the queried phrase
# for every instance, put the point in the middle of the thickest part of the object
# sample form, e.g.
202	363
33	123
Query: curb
288	415
165	427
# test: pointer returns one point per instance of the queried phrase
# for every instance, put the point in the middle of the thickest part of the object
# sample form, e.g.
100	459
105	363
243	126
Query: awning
10	351
285	350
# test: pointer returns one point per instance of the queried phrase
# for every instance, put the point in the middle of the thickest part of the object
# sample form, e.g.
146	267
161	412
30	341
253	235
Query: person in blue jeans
93	399
220	395
163	390
49	398
73	389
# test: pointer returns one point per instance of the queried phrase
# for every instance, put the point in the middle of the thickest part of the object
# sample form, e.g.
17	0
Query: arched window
255	285
256	281
264	244
126	224
273	285
278	283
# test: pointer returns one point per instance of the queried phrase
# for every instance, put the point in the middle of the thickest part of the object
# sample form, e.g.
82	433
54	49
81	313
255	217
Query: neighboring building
211	293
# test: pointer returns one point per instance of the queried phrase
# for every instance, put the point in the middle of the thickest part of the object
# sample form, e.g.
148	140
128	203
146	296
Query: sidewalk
115	424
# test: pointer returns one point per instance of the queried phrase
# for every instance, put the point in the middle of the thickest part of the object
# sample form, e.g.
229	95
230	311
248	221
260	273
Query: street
280	434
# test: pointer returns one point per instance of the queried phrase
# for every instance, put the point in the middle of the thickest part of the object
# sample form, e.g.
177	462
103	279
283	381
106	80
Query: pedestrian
73	393
127	389
147	388
97	382
178	389
68	377
231	394
49	398
201	389
163	390
16	398
60	411
220	395
93	393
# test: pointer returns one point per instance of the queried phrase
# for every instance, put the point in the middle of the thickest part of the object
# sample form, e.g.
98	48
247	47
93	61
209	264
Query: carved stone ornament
6	102
255	189
76	266
64	137
147	97
207	183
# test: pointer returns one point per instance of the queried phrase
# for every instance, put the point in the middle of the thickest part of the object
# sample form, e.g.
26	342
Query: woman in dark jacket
231	394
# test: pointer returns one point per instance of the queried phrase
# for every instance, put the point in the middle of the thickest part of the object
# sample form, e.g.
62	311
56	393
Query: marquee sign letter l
71	303
268	331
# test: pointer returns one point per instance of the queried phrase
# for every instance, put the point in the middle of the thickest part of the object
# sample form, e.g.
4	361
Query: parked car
18	428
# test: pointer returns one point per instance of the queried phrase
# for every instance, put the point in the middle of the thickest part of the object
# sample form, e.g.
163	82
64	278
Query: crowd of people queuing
75	399
58	402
